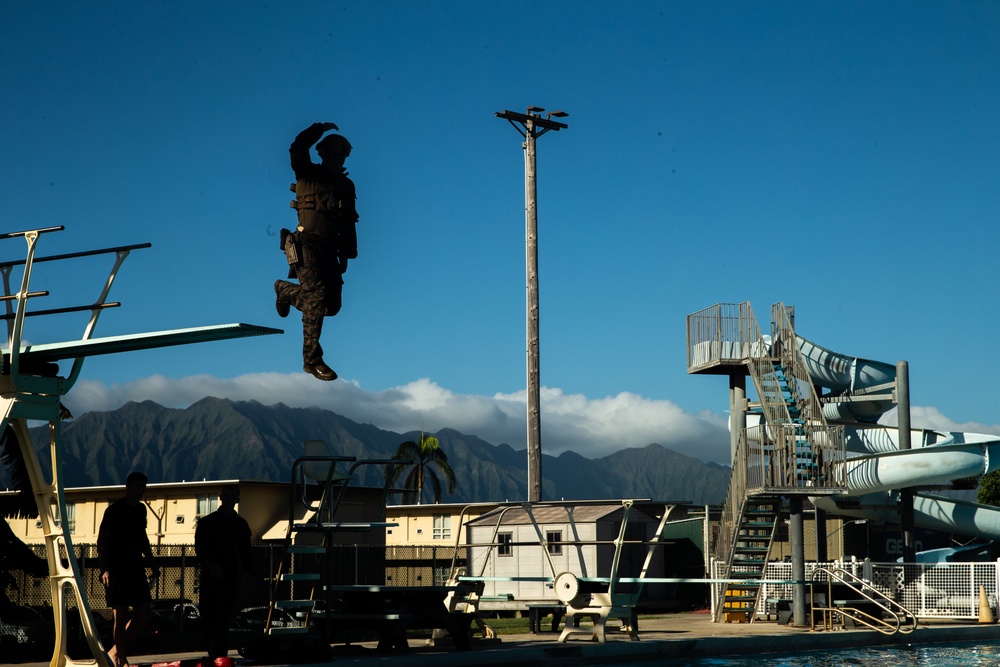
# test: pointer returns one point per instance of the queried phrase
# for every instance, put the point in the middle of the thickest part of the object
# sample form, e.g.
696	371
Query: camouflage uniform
325	240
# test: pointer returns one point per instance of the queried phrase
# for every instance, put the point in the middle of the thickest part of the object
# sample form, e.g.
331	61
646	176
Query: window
441	574
442	526
504	541
207	504
554	539
70	517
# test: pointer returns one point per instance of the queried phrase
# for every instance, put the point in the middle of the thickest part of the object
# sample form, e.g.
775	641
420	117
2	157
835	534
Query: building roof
466	510
549	514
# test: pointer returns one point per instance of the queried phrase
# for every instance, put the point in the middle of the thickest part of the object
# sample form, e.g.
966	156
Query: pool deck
673	636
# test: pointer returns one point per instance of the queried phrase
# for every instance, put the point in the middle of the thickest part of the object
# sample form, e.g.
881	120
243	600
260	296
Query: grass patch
509	626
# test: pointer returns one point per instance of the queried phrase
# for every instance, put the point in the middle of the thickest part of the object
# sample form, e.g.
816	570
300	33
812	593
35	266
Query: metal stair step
294	604
300	577
748	561
303	549
293	630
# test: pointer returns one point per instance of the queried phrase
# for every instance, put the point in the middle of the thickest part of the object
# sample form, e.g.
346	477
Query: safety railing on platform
770	459
723	332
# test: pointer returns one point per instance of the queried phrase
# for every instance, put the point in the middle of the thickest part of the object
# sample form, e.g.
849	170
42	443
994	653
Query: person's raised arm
299	150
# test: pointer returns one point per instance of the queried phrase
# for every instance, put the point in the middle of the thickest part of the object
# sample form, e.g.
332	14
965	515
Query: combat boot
320	371
282	306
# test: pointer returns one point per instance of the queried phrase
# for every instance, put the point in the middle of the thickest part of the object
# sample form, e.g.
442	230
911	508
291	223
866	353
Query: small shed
520	548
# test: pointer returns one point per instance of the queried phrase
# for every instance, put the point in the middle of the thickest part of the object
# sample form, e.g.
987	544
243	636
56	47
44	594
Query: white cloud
590	427
934	419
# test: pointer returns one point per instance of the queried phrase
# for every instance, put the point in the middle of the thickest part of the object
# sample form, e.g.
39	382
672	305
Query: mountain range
222	439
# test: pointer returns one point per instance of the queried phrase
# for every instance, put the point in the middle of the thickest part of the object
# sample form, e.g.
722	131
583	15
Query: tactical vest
318	207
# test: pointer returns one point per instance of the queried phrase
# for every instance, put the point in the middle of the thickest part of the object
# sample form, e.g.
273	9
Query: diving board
142	341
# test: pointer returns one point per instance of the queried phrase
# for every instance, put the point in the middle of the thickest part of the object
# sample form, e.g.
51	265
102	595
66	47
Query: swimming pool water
907	655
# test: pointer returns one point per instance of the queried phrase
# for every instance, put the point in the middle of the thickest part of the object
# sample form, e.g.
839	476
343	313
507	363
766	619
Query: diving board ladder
305	573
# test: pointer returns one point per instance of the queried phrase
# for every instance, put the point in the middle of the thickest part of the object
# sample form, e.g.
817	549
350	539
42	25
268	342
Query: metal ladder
304	571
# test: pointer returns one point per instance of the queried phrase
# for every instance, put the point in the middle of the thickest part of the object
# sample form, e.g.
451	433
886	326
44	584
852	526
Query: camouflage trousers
317	296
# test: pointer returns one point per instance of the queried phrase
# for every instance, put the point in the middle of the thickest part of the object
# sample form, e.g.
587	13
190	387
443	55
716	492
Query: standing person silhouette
124	553
324	240
222	543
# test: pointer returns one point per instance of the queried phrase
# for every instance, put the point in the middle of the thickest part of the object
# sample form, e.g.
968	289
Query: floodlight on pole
532	125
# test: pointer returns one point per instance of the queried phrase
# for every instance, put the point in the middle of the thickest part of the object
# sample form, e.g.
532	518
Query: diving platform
32	385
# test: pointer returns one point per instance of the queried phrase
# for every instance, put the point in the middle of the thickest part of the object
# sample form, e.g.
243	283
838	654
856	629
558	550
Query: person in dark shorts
222	543
124	553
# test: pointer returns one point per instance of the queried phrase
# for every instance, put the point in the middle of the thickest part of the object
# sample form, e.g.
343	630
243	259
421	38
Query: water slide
876	468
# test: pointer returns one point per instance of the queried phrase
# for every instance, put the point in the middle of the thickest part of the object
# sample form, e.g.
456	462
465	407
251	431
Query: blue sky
841	157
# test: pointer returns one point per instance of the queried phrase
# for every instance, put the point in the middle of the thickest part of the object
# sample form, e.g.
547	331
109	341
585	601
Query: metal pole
796	534
534	126
821	536
905	495
737	412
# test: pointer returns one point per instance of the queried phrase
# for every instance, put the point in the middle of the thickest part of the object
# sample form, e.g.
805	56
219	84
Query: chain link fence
176	589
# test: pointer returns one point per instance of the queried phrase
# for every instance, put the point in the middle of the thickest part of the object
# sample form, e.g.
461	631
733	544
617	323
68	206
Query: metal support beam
797	545
905	495
737	411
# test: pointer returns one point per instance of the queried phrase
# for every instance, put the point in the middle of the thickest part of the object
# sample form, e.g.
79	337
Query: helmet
333	145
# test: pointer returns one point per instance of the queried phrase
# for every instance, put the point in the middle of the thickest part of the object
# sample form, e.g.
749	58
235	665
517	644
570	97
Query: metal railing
774	457
873	609
946	591
733	507
723	332
785	347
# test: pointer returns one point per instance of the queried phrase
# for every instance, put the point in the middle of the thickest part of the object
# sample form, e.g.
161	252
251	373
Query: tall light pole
531	125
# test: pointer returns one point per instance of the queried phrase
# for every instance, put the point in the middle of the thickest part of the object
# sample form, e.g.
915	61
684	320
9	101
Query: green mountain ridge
223	439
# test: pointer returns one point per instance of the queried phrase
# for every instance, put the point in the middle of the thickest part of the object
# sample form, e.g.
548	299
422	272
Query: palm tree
428	459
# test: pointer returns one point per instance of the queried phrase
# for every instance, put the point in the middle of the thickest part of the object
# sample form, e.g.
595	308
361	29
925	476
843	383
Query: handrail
74	255
56	311
26	232
298	484
15	302
898	612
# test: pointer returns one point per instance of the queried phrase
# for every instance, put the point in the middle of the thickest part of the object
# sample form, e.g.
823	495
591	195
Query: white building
522	549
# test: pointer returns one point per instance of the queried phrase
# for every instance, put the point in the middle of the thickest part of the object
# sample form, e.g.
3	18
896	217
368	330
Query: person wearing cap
323	241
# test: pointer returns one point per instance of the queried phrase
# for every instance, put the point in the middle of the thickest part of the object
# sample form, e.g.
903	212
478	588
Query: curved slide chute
881	468
885	440
921	467
847	375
